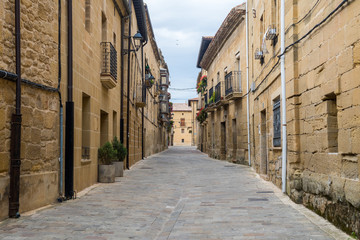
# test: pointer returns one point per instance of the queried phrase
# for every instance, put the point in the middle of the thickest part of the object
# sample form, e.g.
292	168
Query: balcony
164	111
233	85
108	74
206	100
164	78
218	92
211	101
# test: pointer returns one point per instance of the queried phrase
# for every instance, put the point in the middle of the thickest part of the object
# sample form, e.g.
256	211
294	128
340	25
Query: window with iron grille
109	60
277	123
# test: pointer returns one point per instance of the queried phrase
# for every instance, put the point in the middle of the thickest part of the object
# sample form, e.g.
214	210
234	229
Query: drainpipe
69	130
16	119
144	99
61	158
128	89
122	82
247	82
283	99
122	75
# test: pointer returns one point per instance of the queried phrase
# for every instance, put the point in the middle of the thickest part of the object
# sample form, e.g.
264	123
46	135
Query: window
182	140
85	135
87	15
277	123
114	40
332	123
104	127
275	14
182	130
182	122
103	27
114	124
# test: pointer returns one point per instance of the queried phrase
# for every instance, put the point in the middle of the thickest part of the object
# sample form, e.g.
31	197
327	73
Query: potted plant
106	155
120	156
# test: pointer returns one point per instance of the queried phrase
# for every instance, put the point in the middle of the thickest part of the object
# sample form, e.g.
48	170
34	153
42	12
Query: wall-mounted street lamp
137	41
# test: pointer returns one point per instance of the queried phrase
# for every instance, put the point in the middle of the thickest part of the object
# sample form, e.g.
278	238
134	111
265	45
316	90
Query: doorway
263	144
234	136
223	141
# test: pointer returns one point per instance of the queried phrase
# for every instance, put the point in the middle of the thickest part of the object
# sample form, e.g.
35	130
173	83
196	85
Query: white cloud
176	38
178	27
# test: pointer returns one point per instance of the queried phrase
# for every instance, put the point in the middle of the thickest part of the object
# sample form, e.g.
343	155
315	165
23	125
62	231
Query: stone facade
322	105
40	108
194	104
98	29
182	117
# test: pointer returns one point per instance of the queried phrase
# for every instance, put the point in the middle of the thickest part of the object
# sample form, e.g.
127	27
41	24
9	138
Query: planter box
119	169
106	173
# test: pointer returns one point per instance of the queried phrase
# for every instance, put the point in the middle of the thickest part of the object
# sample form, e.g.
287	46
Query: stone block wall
39	108
328	88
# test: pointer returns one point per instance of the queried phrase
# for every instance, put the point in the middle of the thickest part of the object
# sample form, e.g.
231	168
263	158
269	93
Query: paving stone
178	194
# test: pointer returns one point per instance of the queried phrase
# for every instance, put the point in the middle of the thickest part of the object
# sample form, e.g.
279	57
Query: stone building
83	83
156	111
322	106
223	62
183	127
194	104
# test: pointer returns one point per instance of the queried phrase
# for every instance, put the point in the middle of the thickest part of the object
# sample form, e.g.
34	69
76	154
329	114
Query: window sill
85	161
276	148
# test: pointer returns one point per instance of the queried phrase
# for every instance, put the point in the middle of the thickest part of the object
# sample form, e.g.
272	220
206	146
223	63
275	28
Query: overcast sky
179	26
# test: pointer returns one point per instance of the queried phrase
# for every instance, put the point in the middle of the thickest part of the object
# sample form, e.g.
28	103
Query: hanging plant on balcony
202	84
212	98
201	115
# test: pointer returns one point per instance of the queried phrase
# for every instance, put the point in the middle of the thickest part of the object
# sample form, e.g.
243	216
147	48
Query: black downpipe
122	81
69	132
16	119
144	99
128	90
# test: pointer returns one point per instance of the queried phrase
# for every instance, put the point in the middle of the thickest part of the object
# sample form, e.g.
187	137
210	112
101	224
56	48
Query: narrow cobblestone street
177	194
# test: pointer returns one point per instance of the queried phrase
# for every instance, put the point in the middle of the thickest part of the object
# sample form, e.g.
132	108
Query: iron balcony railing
109	60
218	92
211	92
205	100
232	82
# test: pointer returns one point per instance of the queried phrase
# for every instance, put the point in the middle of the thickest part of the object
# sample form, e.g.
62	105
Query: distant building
183	126
194	104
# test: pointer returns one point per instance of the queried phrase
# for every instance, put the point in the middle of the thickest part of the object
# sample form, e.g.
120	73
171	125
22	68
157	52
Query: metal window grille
205	100
109	60
85	153
277	124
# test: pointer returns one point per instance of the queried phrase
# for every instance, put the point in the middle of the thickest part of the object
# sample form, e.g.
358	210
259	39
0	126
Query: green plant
212	98
201	115
120	149
106	154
